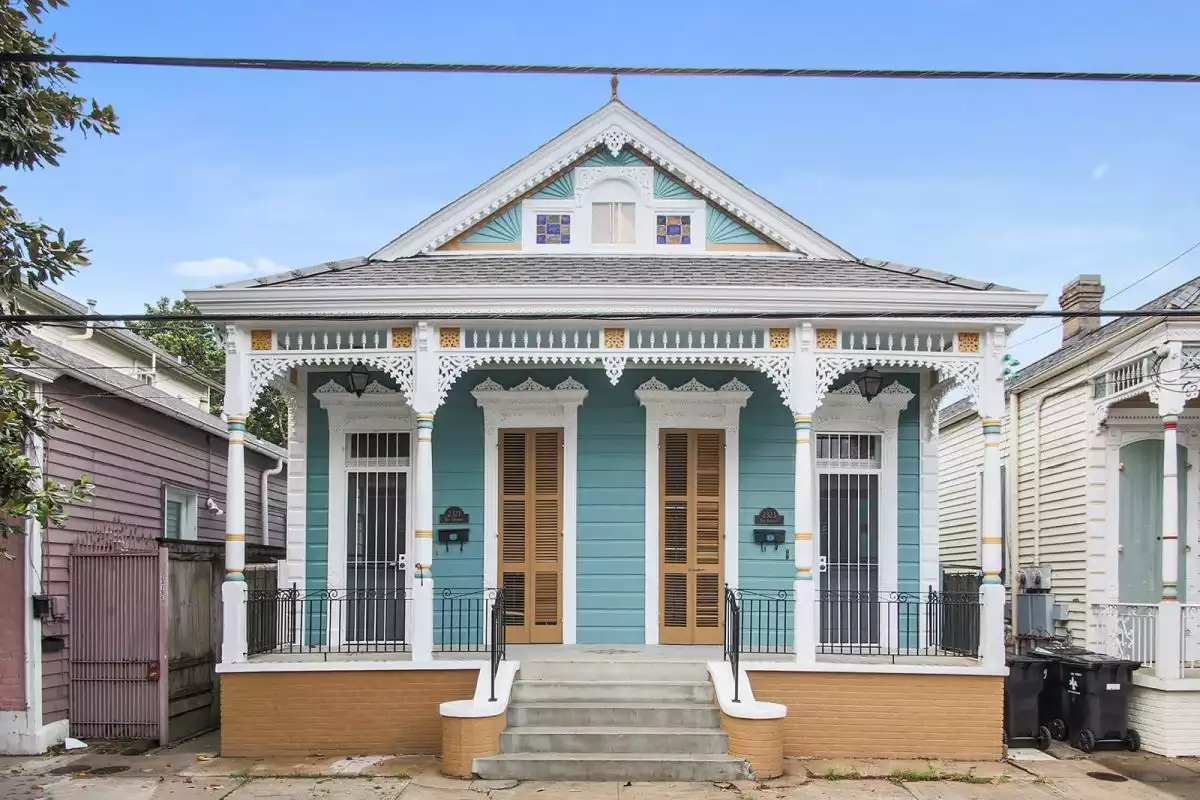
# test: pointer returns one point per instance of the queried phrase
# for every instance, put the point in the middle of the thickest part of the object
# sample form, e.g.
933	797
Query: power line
1145	277
52	319
313	65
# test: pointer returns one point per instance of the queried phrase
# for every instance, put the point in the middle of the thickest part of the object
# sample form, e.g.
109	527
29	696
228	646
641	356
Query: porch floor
615	653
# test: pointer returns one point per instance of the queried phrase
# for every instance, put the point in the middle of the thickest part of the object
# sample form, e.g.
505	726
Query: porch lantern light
360	376
870	383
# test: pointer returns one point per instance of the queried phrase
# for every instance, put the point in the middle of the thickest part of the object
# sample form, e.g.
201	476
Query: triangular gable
615	130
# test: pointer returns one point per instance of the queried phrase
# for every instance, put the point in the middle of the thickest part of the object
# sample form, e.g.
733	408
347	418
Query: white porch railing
1128	630
1189	645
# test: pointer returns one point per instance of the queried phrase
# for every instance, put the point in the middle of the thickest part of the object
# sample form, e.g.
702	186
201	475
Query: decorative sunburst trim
667	189
502	229
489	385
602	158
697	188
724	229
654	385
561	187
735	386
570	384
331	387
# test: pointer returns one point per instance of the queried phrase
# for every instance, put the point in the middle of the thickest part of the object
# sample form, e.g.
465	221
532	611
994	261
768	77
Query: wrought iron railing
1127	630
461	620
898	623
327	621
766	620
733	636
498	640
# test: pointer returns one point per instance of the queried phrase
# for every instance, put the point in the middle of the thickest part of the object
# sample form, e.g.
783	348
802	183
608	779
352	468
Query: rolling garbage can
1094	691
1023	720
1052	705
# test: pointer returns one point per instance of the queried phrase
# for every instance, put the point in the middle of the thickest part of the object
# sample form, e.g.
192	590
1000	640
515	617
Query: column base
805	621
1168	637
422	631
991	625
234	595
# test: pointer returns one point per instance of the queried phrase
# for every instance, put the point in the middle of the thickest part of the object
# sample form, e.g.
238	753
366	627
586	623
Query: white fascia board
450	300
705	180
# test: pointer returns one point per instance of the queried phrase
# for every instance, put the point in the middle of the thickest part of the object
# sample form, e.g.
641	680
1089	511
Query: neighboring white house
1106	430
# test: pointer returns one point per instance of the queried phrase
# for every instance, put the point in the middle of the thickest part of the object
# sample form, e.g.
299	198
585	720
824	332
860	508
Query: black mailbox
766	536
449	536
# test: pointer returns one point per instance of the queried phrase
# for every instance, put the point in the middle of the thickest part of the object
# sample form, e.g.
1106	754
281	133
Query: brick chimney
1082	294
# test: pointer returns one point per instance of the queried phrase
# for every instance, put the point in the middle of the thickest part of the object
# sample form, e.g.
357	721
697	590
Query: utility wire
313	65
50	319
1119	292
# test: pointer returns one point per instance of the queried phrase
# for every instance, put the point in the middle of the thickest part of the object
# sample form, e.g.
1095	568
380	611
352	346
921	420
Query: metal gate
118	644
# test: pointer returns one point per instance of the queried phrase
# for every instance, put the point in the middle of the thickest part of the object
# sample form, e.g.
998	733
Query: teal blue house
622	393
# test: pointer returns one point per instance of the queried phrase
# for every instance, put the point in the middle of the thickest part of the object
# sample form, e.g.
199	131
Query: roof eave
671	299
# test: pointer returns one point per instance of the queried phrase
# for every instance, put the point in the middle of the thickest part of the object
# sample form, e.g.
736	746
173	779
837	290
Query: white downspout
1013	475
264	497
90	325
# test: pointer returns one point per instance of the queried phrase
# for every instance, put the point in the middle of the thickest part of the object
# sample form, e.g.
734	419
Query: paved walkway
189	772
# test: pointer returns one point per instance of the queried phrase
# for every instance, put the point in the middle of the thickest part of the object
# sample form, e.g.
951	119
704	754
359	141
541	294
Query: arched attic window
614	212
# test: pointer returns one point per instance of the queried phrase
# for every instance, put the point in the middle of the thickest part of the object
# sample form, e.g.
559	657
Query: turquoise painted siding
611	554
908	499
316	543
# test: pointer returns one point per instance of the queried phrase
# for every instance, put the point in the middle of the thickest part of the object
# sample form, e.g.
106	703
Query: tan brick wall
382	712
759	741
859	715
466	739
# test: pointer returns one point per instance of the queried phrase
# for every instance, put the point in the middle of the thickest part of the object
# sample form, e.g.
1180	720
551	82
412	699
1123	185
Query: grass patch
967	777
240	775
916	775
836	774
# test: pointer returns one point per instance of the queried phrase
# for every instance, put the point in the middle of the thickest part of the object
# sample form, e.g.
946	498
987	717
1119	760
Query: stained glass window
553	228
674	229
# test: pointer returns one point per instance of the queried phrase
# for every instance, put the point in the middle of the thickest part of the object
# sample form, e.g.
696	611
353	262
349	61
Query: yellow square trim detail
402	337
261	340
779	338
449	338
827	339
614	338
968	342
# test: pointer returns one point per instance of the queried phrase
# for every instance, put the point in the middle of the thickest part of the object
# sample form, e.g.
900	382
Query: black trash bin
1095	692
1023	719
1052	705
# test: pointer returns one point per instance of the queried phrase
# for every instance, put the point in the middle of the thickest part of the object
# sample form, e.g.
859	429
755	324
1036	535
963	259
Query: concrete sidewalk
189	773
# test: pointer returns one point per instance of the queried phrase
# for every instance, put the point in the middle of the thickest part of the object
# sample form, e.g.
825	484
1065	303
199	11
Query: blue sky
217	174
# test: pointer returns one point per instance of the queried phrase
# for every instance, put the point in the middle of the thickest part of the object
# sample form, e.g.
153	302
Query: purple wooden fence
118	641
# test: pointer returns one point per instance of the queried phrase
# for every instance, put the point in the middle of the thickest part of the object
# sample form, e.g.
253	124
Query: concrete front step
610	767
628	671
613	740
585	691
630	715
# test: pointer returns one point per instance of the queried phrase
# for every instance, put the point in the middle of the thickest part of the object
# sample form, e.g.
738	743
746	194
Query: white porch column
991	593
1169	632
425	402
803	402
237	407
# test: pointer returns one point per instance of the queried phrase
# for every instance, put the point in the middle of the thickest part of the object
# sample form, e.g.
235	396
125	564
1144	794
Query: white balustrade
1190	635
339	339
1128	630
903	341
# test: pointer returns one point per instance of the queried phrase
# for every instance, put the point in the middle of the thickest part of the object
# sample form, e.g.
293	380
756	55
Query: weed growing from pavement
914	775
836	774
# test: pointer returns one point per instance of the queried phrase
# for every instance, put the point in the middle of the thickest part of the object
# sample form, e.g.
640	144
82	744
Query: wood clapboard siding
960	459
1066	424
130	452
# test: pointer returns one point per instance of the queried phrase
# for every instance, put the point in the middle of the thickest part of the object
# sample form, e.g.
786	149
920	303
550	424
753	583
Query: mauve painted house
156	457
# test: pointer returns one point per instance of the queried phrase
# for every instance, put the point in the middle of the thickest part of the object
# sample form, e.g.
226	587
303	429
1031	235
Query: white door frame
692	405
378	410
531	405
845	410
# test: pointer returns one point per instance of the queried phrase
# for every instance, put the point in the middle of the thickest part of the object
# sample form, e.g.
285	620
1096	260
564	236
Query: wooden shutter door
531	534
692	475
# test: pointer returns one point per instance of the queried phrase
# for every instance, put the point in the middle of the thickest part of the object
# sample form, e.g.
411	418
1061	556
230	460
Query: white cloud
223	267
1099	171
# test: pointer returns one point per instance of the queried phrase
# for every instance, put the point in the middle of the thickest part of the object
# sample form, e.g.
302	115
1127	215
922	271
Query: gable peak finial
614	83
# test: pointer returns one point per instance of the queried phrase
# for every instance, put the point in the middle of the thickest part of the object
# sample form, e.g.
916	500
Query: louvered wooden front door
692	480
531	534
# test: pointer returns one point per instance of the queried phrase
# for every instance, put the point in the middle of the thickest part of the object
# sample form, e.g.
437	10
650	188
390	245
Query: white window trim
641	179
379	410
845	410
692	405
189	529
531	405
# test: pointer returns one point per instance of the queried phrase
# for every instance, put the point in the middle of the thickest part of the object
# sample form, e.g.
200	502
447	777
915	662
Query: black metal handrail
294	620
733	636
765	620
899	623
498	638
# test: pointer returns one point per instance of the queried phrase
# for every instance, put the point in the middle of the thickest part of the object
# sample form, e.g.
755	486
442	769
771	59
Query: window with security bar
377	466
848	470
